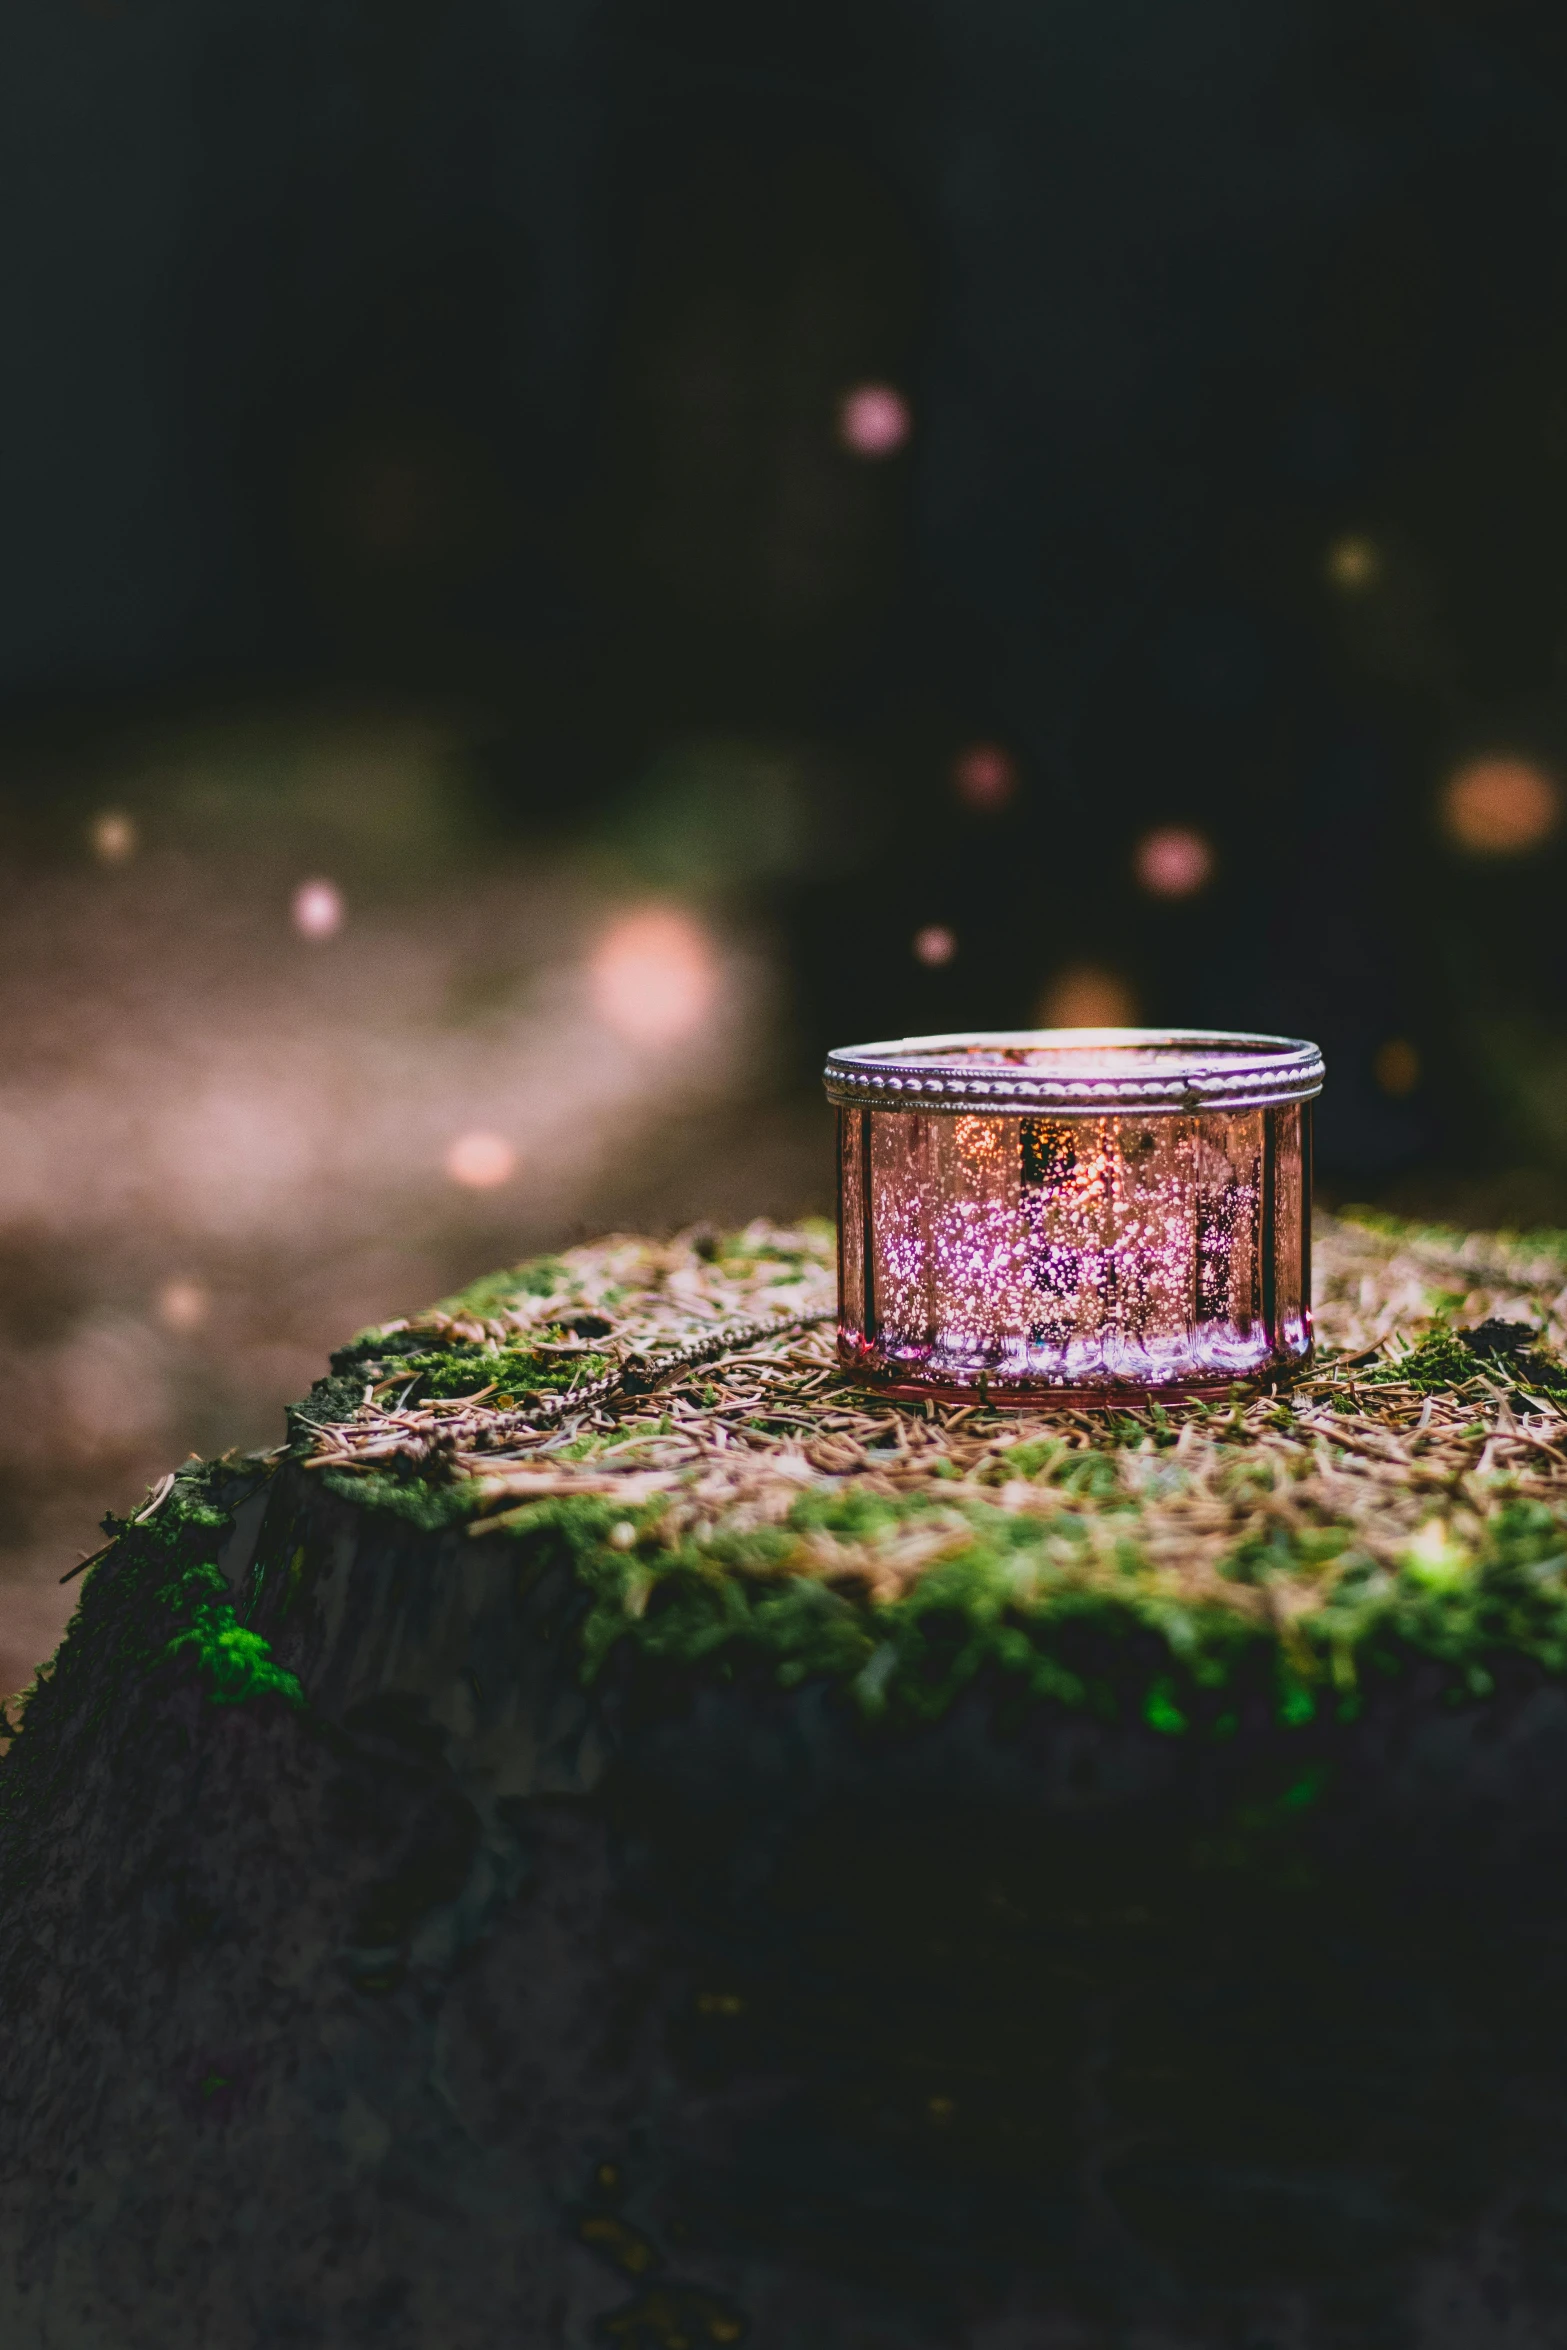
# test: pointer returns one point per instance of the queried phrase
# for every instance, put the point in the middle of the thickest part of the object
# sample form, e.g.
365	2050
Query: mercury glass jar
1074	1215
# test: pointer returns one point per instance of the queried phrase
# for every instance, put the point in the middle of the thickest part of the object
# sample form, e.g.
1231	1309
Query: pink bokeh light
220	1157
984	776
654	976
1173	862
481	1161
934	945
183	1305
874	420
318	909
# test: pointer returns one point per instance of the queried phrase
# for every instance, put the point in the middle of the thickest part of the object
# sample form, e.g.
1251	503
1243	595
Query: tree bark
459	2004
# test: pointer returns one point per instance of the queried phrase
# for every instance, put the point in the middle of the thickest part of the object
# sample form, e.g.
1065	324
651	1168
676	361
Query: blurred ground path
293	1040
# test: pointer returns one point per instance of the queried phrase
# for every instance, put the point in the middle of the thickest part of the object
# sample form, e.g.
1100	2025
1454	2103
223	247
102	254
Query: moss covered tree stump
614	1836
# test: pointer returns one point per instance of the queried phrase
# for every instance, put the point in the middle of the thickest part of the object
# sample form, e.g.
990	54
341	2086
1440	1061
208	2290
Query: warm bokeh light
984	776
481	1161
183	1306
1173	862
234	1138
654	976
113	836
935	944
1500	805
981	1140
318	909
874	420
1354	563
1396	1066
1085	996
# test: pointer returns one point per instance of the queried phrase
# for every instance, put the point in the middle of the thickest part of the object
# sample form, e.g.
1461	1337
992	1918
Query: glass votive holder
1074	1215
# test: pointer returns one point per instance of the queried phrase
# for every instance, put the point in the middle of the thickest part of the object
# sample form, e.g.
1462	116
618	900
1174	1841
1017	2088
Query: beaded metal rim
1198	1069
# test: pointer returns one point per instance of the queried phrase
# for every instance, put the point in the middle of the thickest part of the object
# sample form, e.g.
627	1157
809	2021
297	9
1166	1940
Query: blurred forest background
560	556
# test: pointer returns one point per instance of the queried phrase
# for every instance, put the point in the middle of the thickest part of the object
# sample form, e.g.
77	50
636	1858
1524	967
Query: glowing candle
1079	1215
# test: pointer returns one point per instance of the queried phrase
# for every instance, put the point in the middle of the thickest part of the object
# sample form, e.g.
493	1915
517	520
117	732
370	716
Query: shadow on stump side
462	2003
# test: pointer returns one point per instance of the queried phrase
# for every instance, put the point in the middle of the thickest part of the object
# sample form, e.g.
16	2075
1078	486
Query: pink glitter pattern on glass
1096	1254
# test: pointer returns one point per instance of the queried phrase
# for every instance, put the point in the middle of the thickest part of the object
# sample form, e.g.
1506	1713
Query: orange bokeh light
1086	996
1396	1066
654	976
979	1139
1500	805
1354	563
113	836
1173	862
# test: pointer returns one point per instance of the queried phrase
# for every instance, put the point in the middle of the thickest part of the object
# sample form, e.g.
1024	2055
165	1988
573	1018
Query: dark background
423	428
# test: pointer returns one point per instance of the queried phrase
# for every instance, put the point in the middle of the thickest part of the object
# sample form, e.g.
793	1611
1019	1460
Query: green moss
848	1510
194	1601
158	1599
1063	1609
1446	1358
1160	1710
332	1399
520	1370
418	1369
237	1663
742	1600
905	1599
415	1498
1058	1603
777	1248
1036	1457
492	1293
1440	1360
378	1350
